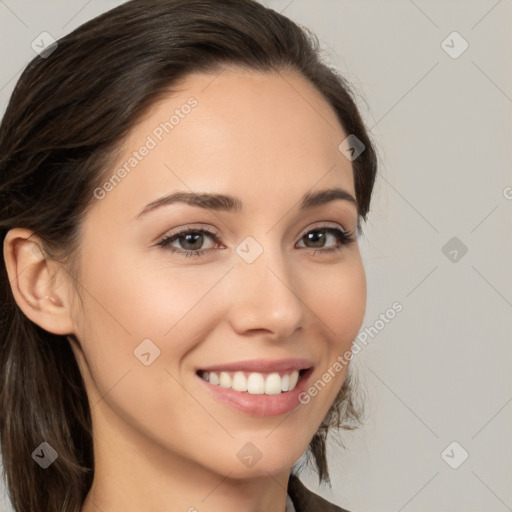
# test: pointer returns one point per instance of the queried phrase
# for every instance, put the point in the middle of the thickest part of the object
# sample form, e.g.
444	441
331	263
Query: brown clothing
305	500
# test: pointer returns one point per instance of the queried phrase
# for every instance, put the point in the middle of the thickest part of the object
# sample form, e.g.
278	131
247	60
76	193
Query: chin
264	455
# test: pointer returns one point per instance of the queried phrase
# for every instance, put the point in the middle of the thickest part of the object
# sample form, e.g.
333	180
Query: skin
162	443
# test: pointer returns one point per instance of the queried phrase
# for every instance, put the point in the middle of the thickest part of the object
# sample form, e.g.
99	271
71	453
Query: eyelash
345	238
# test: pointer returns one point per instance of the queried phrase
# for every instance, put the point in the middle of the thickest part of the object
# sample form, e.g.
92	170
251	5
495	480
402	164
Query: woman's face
269	286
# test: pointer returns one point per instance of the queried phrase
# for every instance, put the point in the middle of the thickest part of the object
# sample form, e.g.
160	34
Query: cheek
145	300
126	303
339	302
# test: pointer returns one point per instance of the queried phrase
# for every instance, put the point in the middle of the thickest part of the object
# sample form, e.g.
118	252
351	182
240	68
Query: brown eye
190	240
319	237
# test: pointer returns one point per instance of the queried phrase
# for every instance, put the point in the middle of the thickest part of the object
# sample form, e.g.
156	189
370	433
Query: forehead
257	135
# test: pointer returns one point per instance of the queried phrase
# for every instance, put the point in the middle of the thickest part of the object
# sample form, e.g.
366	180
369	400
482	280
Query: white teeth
224	380
285	380
256	383
239	382
273	384
294	377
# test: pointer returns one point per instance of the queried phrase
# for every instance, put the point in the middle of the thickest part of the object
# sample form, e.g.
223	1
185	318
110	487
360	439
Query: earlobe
39	293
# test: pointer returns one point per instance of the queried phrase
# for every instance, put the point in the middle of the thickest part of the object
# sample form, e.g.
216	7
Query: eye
319	237
190	240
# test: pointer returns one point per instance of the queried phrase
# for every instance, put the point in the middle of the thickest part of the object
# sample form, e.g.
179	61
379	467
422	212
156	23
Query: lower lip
260	405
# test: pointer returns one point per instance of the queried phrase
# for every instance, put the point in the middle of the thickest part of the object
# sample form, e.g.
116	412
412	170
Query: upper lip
262	365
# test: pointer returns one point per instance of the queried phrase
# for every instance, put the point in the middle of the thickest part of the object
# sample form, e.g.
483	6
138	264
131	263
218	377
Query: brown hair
67	116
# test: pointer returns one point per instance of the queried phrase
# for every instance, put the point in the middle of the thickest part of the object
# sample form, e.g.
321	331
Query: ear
40	286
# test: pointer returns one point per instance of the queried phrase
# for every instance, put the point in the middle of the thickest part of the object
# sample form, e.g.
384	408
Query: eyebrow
221	202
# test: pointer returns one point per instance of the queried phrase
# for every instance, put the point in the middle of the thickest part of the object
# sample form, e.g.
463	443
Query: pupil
197	235
319	236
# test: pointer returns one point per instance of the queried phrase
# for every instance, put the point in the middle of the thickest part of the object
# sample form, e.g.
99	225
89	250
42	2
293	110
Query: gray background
440	371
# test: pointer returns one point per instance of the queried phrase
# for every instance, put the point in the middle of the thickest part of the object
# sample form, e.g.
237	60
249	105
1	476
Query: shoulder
305	500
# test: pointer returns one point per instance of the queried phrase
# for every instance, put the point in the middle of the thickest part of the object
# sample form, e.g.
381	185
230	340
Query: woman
182	187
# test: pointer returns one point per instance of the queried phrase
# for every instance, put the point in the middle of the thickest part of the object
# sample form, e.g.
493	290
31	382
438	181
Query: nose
266	297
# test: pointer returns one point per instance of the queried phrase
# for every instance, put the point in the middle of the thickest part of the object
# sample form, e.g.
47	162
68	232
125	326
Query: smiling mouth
255	383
